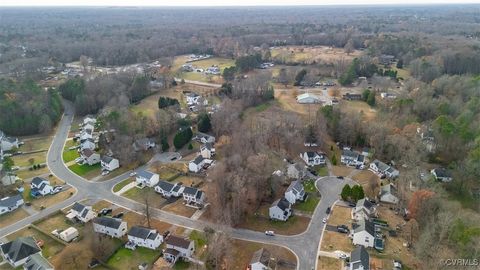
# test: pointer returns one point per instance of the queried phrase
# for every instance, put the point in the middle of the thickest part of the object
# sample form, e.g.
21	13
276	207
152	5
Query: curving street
304	245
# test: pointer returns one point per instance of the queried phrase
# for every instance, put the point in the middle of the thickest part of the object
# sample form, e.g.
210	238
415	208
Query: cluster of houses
192	196
88	140
212	70
365	232
204	159
26	252
281	209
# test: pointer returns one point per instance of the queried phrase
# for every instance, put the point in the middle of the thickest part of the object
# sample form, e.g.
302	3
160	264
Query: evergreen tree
346	192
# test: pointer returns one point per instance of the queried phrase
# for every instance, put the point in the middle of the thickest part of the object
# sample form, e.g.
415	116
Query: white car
105	172
342	256
270	233
133	174
324	220
79	160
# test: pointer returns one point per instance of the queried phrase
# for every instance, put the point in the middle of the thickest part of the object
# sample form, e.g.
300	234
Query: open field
179	208
128	259
340	216
308	55
27	174
327	263
359	107
86	171
294	225
27	160
333	241
36	143
140	195
287	98
242	251
222	63
341	170
12	217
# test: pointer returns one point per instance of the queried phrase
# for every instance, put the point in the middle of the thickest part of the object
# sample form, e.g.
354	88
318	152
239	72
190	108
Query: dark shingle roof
78	207
442	172
295	186
107	159
262	256
178	241
164	185
190	190
145	174
364	202
10	201
359	257
199	194
365	225
282	204
108	222
198	160
172	252
38	180
20	248
140	232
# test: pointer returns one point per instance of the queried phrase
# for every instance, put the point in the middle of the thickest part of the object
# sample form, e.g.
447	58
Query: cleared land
242	251
12	217
333	241
308	55
340	216
179	208
359	107
341	170
222	63
327	263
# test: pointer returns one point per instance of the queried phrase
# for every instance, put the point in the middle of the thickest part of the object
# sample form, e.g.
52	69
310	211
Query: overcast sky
217	2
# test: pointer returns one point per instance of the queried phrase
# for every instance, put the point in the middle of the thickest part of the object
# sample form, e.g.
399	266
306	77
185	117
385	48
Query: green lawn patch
70	155
309	205
199	239
309	185
130	259
120	185
181	265
82	170
321	170
262	107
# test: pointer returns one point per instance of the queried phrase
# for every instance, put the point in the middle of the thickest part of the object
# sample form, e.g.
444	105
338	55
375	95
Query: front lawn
309	205
294	225
321	170
181	265
139	195
83	170
122	184
309	185
125	258
69	155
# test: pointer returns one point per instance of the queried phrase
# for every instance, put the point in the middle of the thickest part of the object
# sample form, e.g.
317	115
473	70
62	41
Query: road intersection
304	245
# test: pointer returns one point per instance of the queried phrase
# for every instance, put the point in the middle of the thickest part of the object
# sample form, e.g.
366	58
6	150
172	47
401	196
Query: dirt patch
369	181
341	170
333	241
327	263
12	217
242	251
308	55
179	208
340	216
359	107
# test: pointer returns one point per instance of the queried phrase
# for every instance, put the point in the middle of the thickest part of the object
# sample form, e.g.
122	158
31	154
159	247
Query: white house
89	120
261	260
364	233
168	190
178	247
8	143
145	237
381	168
204	138
352	158
40	186
16	252
146	178
359	259
87	144
308	98
81	212
295	192
388	194
207	150
109	163
68	234
363	210
37	262
442	174
90	157
143	144
193	196
280	210
296	171
196	164
110	226
192	98
313	158
86	134
10	204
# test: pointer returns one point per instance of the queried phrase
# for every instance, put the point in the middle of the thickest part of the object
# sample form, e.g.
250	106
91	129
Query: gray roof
380	165
350	153
208	146
388	189
365	225
145	174
295	186
37	262
107	159
199	194
172	252
282	204
78	207
176	188
190	190
442	172
198	160
10	201
262	256
142	232
164	185
364	202
178	241
38	180
113	223
359	257
20	248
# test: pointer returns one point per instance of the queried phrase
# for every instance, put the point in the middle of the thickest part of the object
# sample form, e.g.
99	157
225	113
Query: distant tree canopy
249	62
182	137
25	108
164	102
204	122
299	77
358	68
369	97
229	73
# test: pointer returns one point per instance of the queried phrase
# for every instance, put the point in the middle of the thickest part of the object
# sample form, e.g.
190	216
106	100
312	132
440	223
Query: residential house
178	247
193	196
385	95
262	260
88	128
143	144
308	98
9	179
167	189
81	212
196	164
363	210
85	135
359	259
145	237
386	59
90	157
40	187
349	96
204	138
295	192
146	178
8	143
313	158
442	174
17	252
427	137
388	194
381	168
110	226
37	262
364	233
10	204
280	210
109	163
207	150
89	120
296	171
87	144
352	158
192	98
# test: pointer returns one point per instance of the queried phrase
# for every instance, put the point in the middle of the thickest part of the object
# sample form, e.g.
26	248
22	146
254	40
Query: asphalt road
304	245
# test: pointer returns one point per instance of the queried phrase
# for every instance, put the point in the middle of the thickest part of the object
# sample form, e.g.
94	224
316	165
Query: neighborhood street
304	245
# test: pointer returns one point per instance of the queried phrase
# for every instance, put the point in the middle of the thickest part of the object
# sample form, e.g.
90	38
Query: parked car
340	177
342	256
93	263
105	211
79	160
133	174
324	220
329	209
351	204
105	172
15	168
119	215
270	233
342	229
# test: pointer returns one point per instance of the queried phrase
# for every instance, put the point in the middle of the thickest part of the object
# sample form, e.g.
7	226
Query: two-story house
110	226
364	209
359	259
352	158
193	196
81	212
196	164
364	233
17	252
295	192
167	189
381	168
280	210
147	178
10	204
313	158
145	237
207	150
40	187
109	163
178	247
90	157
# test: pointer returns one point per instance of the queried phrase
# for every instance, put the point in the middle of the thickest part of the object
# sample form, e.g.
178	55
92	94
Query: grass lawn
69	155
27	160
321	170
333	241
294	225
85	170
55	221
128	259
181	265
180	209
120	185
50	246
139	195
35	144
359	107
12	217
309	205
50	200
199	239
327	263
27	174
242	251
188	180
309	186
340	216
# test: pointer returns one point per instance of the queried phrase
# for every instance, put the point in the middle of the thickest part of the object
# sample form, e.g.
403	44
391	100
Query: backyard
242	251
128	259
327	263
